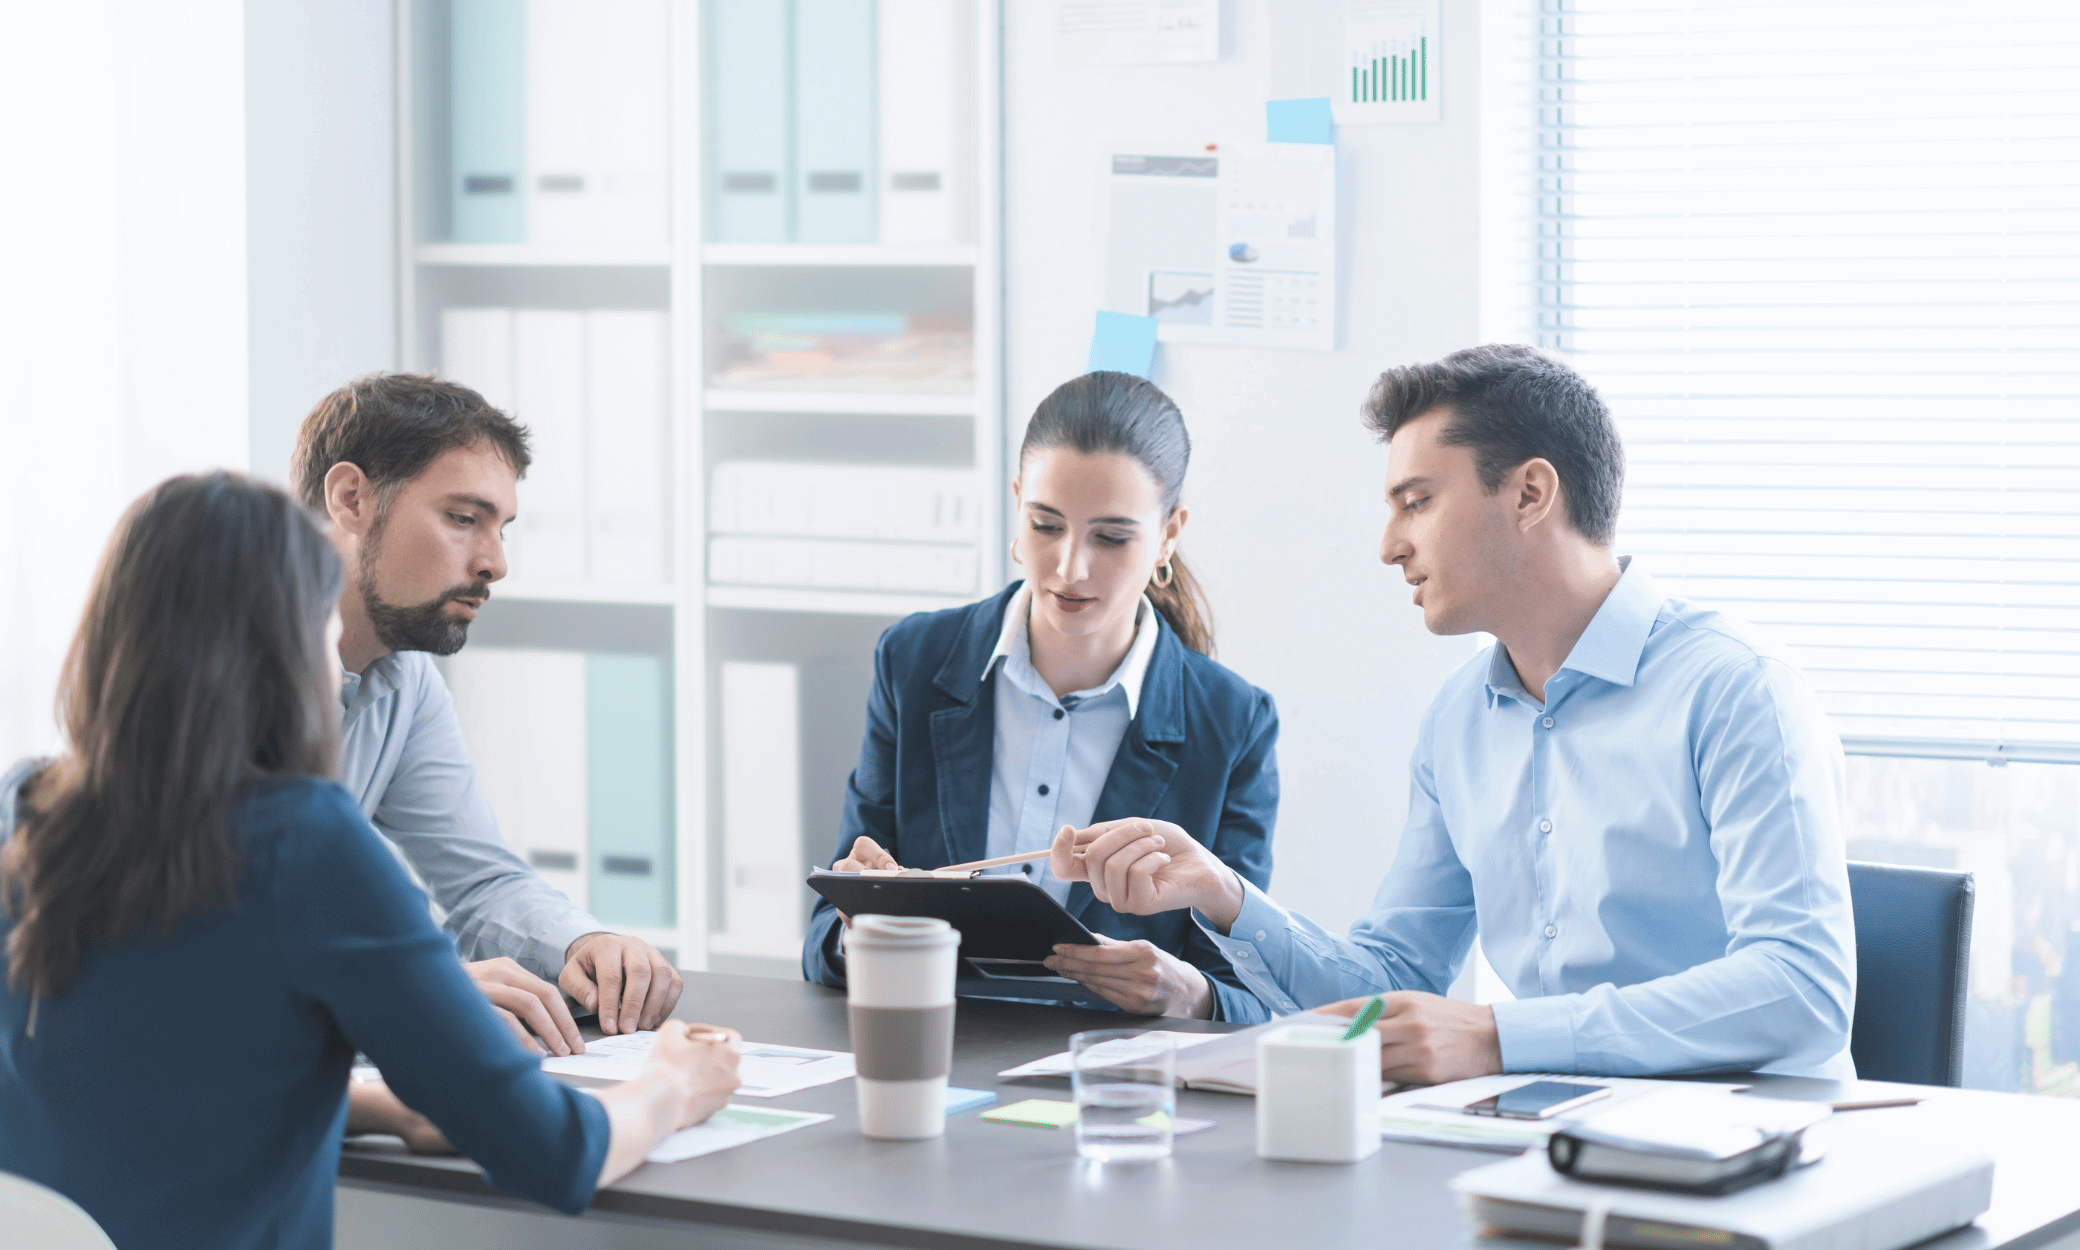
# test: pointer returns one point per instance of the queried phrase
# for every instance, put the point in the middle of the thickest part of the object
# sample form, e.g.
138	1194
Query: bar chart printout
1391	62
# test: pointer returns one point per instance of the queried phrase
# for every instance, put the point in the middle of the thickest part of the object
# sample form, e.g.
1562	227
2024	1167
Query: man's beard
417	627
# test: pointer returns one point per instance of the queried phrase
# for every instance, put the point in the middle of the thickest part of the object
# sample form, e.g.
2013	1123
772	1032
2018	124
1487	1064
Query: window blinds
1822	259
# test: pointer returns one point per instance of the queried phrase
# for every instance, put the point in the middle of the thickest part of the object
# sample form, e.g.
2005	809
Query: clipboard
1007	924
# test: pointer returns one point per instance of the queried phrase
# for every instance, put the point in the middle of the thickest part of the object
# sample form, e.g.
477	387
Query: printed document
767	1070
731	1126
1236	247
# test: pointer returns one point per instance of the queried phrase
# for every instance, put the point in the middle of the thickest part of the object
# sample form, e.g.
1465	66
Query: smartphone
1539	1100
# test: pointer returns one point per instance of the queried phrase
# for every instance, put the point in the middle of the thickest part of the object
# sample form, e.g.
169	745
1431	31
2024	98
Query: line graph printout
1390	64
1236	247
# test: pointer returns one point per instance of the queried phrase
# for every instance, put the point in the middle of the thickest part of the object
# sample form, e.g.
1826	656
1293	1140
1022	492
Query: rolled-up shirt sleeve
437	816
1415	937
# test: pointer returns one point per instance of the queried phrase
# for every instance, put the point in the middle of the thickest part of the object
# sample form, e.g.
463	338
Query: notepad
959	1100
1035	1113
1053	1113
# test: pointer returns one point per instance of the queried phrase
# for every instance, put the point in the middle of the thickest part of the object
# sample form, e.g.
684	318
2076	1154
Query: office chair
34	1215
1913	948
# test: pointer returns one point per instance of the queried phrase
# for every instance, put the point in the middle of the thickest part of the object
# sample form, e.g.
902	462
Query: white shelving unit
693	280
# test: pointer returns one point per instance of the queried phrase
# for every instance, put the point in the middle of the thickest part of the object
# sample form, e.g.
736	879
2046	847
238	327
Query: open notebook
1223	1063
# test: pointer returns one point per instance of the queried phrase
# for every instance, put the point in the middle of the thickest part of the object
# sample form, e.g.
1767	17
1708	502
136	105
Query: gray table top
995	1185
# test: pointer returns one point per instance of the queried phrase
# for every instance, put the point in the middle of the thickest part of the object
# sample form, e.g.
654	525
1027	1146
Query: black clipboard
1007	924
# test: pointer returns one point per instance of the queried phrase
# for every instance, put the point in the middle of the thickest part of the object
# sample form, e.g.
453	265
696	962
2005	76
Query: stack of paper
844	527
857	351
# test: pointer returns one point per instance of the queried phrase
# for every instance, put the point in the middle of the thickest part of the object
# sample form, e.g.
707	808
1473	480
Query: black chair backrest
1913	957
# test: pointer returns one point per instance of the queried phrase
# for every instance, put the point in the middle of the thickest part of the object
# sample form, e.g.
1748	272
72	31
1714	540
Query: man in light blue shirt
1634	802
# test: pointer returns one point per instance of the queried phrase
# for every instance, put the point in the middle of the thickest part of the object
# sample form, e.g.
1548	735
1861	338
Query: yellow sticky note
1036	1112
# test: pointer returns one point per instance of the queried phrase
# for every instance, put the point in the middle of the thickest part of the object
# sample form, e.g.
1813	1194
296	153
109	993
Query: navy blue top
190	1090
1199	753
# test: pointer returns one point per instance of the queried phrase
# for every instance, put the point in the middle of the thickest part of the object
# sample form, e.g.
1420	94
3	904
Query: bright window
1823	260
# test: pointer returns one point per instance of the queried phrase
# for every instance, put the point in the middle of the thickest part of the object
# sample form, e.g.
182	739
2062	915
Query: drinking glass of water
1125	1097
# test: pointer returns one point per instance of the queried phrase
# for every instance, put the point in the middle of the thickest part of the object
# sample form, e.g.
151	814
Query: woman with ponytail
1084	693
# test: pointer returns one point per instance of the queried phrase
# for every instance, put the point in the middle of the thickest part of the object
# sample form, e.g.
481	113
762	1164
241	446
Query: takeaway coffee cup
899	978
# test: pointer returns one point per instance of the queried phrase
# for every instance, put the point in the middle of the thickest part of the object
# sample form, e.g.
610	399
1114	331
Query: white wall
1285	483
321	195
122	332
134	311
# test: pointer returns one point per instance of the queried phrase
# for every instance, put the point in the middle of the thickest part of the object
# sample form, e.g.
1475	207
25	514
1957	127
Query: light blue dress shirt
403	759
1052	755
1653	859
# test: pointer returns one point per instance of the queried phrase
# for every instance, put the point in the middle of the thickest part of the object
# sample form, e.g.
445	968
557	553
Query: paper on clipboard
1236	247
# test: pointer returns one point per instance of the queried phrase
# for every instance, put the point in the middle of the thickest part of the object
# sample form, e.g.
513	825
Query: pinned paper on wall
1123	343
1375	60
1299	121
1236	248
1136	32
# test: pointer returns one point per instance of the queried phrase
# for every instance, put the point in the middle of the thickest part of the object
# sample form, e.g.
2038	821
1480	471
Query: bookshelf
815	336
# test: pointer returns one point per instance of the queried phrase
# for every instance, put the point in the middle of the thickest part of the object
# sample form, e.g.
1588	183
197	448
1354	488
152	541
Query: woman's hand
700	1061
690	1074
1137	976
373	1108
1143	867
865	853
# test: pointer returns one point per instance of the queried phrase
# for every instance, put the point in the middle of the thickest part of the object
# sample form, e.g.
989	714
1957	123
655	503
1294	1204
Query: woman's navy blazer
1198	753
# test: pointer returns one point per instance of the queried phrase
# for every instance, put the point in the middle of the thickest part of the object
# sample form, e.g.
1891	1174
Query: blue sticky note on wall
1299	121
1123	343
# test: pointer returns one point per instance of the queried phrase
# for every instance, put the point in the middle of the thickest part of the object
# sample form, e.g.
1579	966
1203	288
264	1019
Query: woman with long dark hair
1086	692
200	929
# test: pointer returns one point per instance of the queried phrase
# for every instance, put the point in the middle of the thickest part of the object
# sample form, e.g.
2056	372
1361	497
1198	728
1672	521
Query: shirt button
1260	935
1548	722
1552	931
1544	826
1059	713
1043	789
1242	954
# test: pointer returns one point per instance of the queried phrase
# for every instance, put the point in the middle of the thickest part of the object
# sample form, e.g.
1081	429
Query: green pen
1367	1016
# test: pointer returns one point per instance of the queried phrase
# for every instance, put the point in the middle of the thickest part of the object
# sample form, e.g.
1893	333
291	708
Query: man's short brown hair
1508	403
391	426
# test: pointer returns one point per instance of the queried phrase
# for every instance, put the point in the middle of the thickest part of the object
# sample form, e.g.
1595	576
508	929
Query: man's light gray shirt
402	756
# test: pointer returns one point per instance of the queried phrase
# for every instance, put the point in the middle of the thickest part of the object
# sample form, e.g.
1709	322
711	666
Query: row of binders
574	753
840	121
844	527
559	121
592	389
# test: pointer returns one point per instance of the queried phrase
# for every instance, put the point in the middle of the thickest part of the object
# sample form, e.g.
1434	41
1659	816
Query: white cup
899	986
1317	1095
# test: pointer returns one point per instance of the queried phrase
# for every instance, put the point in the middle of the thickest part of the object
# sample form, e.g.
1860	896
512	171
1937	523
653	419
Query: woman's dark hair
199	669
1130	416
1509	403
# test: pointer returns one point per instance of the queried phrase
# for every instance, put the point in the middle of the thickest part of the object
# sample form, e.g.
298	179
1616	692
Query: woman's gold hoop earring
1163	576
1014	553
